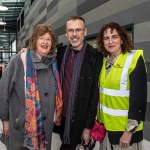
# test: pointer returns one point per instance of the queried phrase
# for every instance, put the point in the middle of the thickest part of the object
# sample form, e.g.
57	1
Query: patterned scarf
34	137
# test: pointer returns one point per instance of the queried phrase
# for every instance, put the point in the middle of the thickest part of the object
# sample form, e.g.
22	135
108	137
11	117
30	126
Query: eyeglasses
77	30
41	39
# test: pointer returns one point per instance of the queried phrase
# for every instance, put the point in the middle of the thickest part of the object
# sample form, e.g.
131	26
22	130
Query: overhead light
3	8
4	40
2	23
3	36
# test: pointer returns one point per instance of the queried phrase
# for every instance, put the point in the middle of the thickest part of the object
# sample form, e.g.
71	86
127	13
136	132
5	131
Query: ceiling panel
8	31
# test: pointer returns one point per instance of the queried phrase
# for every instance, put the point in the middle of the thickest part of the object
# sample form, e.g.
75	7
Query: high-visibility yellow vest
114	91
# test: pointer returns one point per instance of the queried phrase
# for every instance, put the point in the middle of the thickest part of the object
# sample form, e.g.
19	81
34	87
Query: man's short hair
75	18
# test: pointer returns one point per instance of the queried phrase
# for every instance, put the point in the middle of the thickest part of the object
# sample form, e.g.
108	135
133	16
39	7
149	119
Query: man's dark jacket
86	100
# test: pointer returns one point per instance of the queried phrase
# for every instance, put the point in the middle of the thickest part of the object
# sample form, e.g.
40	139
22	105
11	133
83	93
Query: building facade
132	14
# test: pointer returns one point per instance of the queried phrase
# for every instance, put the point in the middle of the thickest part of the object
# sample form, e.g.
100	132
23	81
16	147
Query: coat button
44	118
46	94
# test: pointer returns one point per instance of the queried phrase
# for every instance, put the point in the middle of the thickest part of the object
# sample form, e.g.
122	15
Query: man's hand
86	135
125	139
23	50
6	128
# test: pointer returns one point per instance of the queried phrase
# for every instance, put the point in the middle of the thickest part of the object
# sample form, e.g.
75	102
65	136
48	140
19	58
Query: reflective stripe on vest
114	112
121	92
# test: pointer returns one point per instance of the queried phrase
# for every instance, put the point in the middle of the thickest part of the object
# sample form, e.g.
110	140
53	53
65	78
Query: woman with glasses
123	88
31	97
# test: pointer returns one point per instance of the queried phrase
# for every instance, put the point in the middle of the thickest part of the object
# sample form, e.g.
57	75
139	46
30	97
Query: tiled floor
56	142
2	146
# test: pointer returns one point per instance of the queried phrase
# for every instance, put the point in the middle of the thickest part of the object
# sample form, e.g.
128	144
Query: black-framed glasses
77	30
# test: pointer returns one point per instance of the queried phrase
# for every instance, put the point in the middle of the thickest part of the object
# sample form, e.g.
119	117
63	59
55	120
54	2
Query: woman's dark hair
38	31
126	45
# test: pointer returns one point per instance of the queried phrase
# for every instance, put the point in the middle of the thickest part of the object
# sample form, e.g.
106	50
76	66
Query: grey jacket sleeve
7	83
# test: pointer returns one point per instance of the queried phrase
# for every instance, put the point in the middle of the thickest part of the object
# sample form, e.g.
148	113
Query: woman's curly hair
126	45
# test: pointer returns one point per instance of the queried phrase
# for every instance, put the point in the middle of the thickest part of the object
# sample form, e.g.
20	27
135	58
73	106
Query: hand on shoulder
22	50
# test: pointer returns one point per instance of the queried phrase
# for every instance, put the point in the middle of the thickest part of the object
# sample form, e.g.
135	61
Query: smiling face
43	45
75	33
42	40
112	41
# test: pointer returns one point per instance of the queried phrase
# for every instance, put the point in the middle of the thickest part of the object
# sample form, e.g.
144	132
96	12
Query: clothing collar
44	63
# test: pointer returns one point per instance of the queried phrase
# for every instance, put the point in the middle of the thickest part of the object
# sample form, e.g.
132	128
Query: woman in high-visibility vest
123	88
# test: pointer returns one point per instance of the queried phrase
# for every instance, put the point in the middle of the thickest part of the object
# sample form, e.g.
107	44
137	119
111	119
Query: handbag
98	131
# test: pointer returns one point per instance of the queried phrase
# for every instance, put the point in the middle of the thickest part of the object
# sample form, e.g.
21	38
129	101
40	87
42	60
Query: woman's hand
125	139
86	135
6	128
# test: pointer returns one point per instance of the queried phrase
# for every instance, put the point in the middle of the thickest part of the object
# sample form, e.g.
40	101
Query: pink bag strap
98	111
